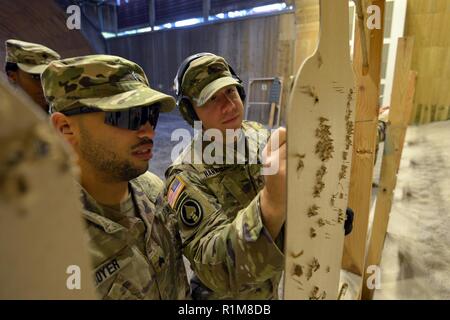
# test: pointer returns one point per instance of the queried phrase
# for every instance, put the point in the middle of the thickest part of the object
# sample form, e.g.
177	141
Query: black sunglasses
131	119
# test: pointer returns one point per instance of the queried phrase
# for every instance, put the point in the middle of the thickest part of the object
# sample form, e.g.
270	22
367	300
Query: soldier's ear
65	126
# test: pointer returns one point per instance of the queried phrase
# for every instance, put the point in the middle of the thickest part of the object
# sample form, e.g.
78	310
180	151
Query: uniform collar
93	212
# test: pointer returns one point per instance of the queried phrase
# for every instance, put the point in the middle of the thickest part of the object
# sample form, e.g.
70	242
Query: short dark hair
11	66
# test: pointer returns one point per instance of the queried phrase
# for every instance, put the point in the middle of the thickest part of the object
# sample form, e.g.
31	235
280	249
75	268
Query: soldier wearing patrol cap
105	109
25	62
230	216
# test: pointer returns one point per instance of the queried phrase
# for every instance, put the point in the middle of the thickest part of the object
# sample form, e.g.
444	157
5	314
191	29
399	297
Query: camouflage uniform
122	271
140	257
30	57
217	206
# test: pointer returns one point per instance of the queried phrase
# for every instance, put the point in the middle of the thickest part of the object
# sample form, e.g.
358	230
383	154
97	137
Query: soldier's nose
228	106
146	131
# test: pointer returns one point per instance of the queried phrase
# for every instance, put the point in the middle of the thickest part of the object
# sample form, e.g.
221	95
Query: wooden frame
399	115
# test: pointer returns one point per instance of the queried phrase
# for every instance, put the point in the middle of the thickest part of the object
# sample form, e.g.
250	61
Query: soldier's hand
273	195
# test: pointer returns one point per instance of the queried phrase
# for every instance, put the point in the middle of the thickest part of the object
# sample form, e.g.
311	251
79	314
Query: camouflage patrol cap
205	76
30	57
106	82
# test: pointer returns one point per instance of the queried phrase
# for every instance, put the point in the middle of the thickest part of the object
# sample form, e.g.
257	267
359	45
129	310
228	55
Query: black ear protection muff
186	101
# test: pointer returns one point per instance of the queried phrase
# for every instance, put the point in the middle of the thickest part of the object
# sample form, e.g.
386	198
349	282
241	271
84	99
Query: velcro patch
191	212
175	189
212	172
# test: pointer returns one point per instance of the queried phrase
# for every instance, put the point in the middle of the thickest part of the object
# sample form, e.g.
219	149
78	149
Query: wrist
267	204
269	199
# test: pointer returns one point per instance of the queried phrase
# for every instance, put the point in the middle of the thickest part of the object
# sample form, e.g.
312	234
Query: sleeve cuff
251	225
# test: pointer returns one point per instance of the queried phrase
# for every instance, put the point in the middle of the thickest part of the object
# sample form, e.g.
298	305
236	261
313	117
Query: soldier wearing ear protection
222	72
230	250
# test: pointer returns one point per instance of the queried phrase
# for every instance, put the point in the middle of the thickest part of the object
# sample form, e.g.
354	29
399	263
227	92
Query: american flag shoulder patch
175	189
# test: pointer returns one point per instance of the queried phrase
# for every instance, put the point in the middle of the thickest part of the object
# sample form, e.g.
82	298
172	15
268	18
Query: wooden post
360	17
399	115
364	143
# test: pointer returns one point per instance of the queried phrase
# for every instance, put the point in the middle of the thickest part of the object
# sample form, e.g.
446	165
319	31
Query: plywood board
319	139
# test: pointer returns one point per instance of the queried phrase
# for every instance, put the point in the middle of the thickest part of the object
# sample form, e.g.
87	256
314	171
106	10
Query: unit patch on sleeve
191	212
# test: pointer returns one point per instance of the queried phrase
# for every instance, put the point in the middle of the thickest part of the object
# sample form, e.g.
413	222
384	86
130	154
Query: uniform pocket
109	278
122	289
